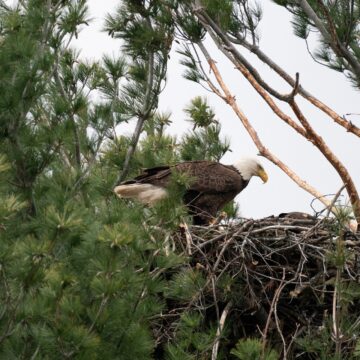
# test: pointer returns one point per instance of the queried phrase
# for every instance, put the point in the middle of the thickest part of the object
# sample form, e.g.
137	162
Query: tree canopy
84	275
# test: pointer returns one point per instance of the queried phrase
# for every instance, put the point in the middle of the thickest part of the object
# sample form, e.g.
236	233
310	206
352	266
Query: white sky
280	194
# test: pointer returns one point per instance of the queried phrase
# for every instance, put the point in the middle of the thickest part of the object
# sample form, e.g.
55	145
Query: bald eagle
212	185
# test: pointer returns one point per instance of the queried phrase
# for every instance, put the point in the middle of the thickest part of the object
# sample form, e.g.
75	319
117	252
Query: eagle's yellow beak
263	175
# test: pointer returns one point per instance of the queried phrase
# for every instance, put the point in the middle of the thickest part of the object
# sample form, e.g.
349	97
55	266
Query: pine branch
144	115
24	177
65	96
330	36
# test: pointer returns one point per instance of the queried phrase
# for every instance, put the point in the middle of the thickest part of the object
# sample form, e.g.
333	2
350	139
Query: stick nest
272	279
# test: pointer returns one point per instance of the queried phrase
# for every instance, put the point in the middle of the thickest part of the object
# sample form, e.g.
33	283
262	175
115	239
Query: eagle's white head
251	166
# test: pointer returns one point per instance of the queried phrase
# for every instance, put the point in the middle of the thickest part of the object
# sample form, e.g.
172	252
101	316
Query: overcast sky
280	194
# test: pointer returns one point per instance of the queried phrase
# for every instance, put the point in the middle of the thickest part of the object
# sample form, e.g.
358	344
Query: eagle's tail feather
145	193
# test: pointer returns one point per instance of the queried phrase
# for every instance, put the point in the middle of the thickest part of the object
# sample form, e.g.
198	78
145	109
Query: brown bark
350	127
271	102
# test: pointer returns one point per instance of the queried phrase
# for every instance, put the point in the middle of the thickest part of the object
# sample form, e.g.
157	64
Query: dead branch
348	125
230	99
220	329
306	131
208	23
262	88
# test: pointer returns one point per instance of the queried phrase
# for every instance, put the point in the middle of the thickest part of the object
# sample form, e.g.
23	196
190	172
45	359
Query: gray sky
280	194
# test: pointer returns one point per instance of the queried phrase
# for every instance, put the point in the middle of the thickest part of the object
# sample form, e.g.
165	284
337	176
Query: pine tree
76	265
81	273
84	275
337	23
146	29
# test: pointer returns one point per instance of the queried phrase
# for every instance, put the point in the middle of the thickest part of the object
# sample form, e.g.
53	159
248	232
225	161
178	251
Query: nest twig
281	278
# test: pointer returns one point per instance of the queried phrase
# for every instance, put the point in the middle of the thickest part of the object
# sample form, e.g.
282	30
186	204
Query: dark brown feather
213	185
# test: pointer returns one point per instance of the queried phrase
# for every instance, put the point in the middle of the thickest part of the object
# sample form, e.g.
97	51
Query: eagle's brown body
212	185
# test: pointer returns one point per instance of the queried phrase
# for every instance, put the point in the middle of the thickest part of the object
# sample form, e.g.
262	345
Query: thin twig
219	330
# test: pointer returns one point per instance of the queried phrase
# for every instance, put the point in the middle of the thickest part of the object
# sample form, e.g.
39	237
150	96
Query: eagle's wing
158	176
205	177
212	185
212	177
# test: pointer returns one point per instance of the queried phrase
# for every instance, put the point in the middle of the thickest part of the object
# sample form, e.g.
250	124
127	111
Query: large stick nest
283	271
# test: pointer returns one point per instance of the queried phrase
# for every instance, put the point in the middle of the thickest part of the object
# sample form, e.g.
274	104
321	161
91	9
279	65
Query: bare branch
219	330
229	48
222	42
334	200
206	21
229	98
312	99
247	74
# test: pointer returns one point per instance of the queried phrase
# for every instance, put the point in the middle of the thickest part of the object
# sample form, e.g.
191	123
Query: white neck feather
247	167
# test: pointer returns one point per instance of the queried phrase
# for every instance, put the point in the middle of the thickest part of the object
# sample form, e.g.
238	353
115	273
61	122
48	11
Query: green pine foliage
188	59
193	339
252	349
157	147
74	262
82	273
201	115
186	285
337	22
204	141
204	144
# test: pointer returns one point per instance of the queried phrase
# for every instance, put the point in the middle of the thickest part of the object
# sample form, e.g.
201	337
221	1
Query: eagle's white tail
145	193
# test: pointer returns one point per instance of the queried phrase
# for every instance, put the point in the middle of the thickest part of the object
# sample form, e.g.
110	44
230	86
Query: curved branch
260	90
306	131
207	22
312	99
229	98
